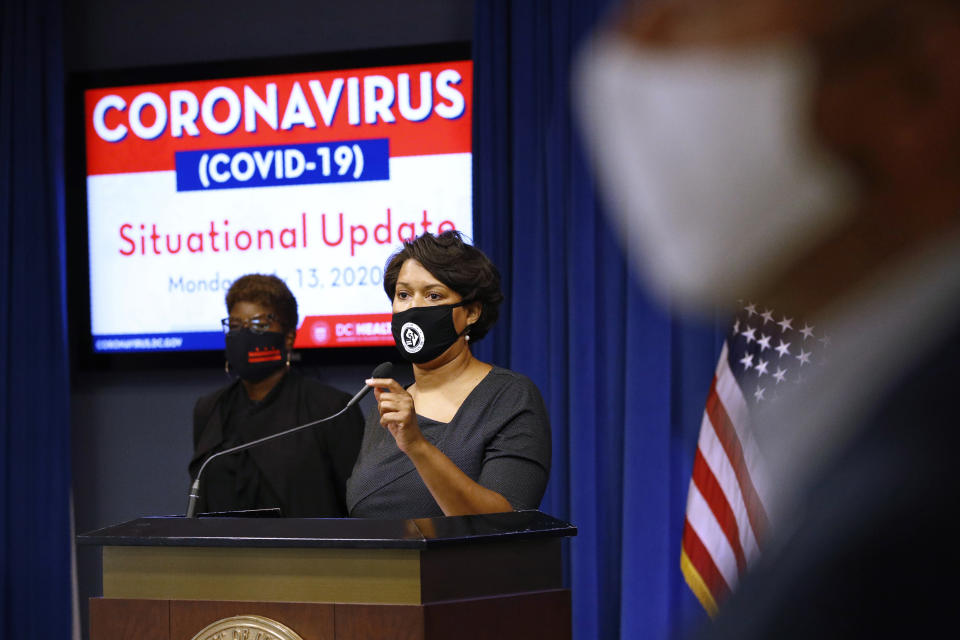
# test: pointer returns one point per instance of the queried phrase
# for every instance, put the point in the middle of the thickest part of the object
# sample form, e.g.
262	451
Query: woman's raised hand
397	412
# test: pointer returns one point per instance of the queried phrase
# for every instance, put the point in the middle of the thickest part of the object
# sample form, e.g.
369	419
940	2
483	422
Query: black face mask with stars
254	356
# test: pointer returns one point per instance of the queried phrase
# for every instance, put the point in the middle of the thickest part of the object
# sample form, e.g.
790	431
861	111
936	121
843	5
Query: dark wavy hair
268	291
459	266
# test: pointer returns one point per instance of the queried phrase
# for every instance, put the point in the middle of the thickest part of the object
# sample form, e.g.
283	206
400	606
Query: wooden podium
471	577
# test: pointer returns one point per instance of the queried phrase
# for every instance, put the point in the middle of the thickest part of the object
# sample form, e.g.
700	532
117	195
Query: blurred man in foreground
806	154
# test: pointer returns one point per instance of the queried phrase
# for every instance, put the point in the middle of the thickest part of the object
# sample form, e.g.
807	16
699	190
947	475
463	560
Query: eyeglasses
256	324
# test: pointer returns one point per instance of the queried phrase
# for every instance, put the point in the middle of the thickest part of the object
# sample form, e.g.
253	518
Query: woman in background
305	473
466	437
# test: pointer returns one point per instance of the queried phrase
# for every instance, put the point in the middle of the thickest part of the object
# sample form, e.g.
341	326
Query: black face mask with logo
254	356
424	333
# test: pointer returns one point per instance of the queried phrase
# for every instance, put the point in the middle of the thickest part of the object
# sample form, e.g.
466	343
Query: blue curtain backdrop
624	382
34	387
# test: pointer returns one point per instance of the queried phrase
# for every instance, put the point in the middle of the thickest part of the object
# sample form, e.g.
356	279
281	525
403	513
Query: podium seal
247	627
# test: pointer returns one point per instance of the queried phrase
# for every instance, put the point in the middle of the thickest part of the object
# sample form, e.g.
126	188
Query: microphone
383	370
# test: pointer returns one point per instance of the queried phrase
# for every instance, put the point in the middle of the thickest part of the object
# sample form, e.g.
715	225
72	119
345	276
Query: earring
288	359
467	337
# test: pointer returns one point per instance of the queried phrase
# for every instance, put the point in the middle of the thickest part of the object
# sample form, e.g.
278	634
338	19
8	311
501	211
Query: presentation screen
315	177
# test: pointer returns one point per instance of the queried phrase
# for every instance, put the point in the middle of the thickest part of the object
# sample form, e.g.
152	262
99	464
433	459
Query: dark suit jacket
308	470
874	552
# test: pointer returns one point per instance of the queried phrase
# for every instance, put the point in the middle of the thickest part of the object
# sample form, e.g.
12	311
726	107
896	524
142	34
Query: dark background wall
106	34
132	429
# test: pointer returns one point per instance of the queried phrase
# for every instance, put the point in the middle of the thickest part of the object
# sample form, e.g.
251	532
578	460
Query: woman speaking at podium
305	473
466	437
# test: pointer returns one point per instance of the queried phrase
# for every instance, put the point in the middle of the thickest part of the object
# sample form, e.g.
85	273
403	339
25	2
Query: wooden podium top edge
344	533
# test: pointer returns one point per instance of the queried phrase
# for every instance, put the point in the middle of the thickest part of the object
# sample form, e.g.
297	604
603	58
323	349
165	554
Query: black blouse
304	474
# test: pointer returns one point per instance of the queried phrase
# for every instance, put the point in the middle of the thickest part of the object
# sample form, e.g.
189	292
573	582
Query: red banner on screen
357	330
423	109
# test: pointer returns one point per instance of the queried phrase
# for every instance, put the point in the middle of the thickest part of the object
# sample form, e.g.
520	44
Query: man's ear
291	336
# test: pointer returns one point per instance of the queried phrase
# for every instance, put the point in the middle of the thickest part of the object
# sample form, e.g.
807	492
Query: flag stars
751	310
747	361
767	316
779	375
736	326
804	357
749	334
786	324
807	331
761	367
783	348
825	341
758	394
764	342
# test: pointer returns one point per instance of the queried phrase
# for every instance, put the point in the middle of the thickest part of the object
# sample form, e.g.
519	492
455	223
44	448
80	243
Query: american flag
763	354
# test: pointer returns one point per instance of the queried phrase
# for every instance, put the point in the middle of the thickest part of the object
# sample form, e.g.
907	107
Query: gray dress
500	438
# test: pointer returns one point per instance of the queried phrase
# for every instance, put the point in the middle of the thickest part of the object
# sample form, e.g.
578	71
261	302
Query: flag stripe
263	356
731	395
713	495
731	444
716	459
701	561
707	528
